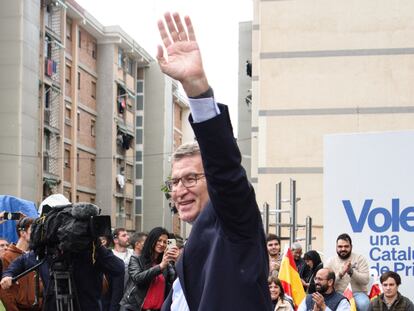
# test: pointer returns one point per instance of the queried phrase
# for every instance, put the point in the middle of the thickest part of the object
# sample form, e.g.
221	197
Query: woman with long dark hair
277	294
314	262
152	274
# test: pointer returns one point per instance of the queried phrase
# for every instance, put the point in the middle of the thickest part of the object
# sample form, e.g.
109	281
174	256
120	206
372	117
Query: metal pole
293	220
308	245
266	217
278	216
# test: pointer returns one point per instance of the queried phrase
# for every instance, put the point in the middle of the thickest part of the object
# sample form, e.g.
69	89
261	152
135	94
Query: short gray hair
186	150
296	245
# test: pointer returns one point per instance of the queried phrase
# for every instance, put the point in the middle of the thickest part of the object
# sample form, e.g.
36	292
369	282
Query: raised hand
182	61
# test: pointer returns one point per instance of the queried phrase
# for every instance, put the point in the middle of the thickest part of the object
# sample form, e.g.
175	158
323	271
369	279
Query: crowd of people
325	283
227	262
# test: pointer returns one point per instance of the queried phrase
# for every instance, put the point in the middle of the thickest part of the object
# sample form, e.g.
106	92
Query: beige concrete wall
324	67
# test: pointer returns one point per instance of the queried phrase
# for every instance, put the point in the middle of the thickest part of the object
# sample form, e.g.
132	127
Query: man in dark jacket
87	276
224	265
325	298
391	299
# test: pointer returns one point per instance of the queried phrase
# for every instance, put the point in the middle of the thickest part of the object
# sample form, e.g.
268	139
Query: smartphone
171	243
12	216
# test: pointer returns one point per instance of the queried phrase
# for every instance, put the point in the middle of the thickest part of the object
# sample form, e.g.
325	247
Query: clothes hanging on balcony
119	140
126	143
49	67
121	104
120	180
54	66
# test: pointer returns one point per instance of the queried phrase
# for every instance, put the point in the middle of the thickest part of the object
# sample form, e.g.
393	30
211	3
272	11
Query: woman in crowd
152	274
279	302
314	262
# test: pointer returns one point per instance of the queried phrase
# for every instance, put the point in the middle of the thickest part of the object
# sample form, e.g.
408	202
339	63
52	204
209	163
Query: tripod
63	286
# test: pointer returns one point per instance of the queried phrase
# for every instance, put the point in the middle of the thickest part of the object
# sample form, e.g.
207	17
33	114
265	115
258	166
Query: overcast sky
216	26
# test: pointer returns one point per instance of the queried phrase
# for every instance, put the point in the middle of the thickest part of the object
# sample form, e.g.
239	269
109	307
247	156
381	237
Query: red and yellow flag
376	289
290	279
348	294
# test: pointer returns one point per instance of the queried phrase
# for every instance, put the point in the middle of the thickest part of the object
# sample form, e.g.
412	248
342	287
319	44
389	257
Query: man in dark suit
224	265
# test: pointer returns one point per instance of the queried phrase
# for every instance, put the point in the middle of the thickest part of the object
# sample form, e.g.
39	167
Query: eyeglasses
188	181
316	279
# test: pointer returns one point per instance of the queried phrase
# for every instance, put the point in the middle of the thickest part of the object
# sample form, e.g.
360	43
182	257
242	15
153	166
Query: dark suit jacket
225	263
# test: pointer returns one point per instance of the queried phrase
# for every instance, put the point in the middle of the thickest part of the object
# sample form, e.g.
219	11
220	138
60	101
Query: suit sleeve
230	192
109	263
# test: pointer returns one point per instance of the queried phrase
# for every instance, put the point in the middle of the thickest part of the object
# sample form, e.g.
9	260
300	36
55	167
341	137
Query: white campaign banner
369	194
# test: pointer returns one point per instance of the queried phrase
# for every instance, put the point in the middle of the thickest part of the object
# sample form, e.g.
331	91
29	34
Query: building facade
319	68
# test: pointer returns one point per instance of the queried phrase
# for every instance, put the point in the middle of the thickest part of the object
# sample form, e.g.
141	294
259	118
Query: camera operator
86	268
19	296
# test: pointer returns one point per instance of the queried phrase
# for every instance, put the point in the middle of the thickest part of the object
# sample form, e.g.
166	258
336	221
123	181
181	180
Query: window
78	121
93	89
129	172
68	74
77	162
68	116
93	167
140	102
47	96
48	47
138	190
67	158
138	206
47	140
94	50
130	65
139	121
140	86
93	127
138	171
128	209
138	136
68	29
80	39
79	80
120	56
138	156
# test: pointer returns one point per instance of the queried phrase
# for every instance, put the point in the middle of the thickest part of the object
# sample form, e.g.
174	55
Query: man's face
297	253
189	201
140	244
3	246
390	288
343	249
321	281
123	239
273	248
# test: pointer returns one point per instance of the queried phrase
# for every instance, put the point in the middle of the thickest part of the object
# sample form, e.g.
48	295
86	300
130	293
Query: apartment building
319	68
19	87
86	113
161	139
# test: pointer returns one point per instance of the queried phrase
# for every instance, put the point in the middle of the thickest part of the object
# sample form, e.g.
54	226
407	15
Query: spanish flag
376	289
290	279
348	294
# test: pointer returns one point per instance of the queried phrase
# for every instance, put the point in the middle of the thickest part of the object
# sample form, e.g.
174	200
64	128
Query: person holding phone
152	274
